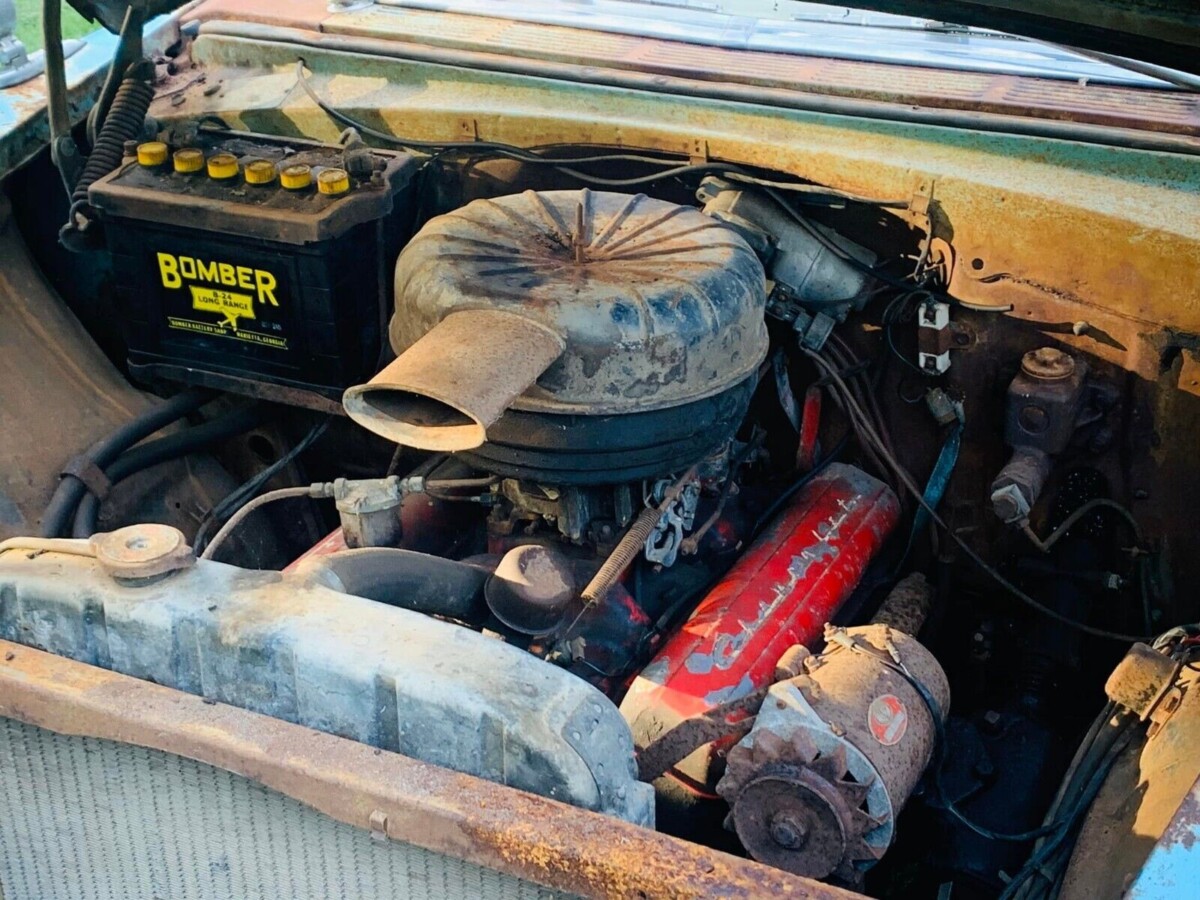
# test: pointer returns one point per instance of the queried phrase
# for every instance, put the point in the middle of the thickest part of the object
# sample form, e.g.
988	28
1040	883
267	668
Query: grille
86	818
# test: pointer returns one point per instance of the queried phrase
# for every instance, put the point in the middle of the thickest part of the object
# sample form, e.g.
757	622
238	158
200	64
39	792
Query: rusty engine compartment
687	491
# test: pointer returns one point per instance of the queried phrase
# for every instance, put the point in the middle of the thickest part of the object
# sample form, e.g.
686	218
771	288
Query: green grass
29	23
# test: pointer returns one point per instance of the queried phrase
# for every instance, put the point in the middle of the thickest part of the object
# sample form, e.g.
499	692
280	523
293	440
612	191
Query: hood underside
1163	32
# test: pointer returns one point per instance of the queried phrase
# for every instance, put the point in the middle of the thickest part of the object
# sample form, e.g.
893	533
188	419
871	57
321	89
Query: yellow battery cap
333	181
222	166
188	160
259	171
152	153
296	178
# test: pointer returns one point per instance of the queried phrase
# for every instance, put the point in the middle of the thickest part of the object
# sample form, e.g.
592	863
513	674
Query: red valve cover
784	589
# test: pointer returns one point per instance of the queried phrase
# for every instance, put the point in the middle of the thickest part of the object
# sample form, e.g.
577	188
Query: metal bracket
679	515
731	719
377	822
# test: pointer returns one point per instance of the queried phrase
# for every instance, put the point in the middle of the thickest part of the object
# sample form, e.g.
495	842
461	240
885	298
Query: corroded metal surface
862	734
907	604
291	647
512	832
24	125
659	304
1141	680
49	362
1155	110
456	380
781	592
1139	838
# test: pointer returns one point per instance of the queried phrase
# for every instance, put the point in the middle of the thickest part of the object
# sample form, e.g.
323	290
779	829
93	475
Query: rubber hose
415	581
70	489
124	122
173	446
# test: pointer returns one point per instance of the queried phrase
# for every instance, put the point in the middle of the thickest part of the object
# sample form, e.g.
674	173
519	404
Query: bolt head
788	831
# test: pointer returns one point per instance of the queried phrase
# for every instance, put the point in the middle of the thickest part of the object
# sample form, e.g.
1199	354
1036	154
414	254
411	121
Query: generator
254	264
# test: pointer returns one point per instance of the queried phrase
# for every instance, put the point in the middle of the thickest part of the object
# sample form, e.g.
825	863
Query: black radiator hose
416	581
61	509
125	120
173	446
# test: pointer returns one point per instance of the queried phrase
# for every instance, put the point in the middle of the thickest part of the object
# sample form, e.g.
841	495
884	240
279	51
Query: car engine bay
681	490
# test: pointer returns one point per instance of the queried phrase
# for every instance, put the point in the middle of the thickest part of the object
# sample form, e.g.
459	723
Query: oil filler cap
142	551
296	178
222	166
333	181
188	160
151	153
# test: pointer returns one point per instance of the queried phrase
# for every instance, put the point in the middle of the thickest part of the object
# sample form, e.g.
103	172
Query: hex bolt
788	831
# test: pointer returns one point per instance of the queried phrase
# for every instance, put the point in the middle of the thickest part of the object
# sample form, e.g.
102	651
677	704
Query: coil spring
124	122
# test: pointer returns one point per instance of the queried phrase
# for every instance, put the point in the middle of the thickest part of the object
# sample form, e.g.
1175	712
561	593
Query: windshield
810	29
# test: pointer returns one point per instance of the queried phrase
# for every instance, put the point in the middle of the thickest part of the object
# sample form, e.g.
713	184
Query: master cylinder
835	752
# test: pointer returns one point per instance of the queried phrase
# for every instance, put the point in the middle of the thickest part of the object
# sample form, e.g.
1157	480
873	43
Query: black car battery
256	265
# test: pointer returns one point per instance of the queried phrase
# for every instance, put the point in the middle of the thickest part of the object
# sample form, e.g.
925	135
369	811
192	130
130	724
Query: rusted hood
1165	32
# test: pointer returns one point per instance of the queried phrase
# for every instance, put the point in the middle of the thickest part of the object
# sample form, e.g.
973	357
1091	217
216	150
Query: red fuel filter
789	583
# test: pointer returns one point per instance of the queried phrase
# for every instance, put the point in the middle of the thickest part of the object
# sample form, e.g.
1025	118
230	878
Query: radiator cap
142	551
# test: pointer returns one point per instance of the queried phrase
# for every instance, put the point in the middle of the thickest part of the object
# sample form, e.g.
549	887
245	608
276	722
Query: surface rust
1147	808
1117	105
519	834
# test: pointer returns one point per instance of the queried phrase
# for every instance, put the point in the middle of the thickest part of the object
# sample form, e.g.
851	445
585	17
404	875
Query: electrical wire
866	397
529	155
874	456
874	271
1092	761
262	500
866	431
1096	773
940	756
1044	544
253	485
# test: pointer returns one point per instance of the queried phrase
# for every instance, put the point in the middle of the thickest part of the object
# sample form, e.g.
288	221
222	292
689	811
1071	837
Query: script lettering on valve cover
233	293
